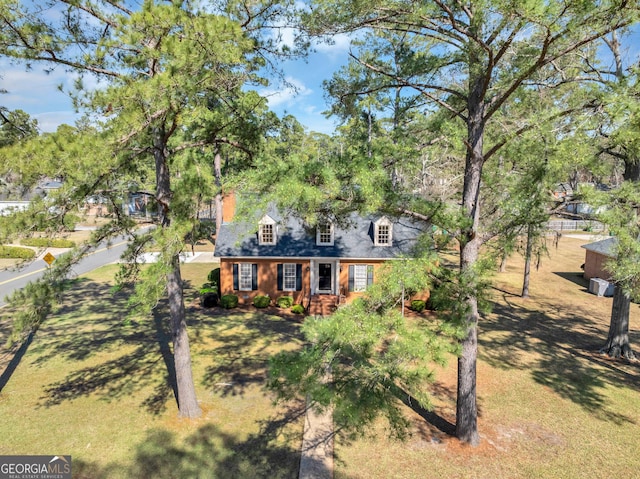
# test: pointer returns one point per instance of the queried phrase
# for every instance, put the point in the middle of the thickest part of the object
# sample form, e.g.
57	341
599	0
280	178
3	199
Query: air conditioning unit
601	287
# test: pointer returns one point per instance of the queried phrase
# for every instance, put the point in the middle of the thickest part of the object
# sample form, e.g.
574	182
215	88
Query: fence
575	225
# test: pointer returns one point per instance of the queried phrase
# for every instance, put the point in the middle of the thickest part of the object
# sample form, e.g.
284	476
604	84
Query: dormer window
324	234
383	232
267	231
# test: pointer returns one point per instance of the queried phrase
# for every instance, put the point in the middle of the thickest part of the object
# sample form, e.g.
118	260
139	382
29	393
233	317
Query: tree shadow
558	345
248	341
84	329
15	360
441	423
209	452
577	278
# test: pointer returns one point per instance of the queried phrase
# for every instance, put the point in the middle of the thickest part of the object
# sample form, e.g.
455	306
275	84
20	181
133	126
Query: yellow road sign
49	258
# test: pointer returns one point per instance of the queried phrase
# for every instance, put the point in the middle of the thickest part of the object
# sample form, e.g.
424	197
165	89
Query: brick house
596	256
279	255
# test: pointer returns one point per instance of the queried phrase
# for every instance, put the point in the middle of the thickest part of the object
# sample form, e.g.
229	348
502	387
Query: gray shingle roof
296	240
605	247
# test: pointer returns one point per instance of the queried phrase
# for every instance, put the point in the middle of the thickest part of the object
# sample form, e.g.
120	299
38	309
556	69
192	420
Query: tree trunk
503	263
187	402
618	344
527	263
466	403
217	172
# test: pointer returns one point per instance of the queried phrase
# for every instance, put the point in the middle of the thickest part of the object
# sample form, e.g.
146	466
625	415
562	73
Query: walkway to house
316	457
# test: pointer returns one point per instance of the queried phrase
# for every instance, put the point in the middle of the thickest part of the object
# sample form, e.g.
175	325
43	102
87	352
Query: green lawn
549	405
92	386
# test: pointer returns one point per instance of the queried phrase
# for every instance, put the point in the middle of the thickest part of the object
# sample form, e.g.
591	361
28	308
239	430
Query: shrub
206	289
209	300
229	301
418	305
214	275
285	301
261	301
214	279
70	222
297	309
16	252
48	242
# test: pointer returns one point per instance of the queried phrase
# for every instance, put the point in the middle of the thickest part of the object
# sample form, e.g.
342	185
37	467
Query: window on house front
267	235
360	276
267	231
325	234
383	235
245	277
289	278
383	230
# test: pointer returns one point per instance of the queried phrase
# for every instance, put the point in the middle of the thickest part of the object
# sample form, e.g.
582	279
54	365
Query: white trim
357	275
331	234
240	276
284	276
384	221
270	222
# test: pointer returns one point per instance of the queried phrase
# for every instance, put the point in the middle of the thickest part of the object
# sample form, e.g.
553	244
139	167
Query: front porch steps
323	304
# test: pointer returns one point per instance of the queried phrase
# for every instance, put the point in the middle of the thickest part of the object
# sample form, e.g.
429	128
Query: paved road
13	279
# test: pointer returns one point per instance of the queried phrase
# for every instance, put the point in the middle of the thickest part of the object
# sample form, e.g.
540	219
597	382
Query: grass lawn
92	386
549	405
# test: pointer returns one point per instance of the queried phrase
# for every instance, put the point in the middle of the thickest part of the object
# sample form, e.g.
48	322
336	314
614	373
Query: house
596	257
595	266
276	255
13	198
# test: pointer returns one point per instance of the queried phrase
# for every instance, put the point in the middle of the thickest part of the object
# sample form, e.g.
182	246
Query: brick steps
323	304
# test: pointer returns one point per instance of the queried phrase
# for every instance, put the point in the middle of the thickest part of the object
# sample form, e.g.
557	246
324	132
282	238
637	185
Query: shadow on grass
577	278
558	344
117	358
15	360
208	452
439	422
246	340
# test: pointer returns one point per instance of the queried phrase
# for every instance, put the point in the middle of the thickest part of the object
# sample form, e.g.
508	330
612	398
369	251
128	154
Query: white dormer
267	231
325	234
383	232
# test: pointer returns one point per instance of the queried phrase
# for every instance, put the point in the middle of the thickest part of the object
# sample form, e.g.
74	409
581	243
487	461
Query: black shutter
254	276
369	274
351	271
236	281
298	277
280	277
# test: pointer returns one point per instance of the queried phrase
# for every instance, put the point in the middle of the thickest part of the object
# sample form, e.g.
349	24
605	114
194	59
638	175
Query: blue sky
37	93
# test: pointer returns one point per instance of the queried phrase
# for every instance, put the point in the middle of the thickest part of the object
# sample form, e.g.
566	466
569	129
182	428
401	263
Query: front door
324	278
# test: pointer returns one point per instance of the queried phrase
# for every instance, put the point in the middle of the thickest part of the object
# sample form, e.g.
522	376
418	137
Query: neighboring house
596	257
276	255
20	200
563	191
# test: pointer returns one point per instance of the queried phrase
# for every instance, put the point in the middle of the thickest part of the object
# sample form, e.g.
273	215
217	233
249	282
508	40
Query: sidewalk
316	460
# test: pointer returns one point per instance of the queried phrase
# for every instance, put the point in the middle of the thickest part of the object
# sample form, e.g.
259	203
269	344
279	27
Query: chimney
228	206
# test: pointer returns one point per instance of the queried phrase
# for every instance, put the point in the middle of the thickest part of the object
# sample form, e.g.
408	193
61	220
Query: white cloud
334	46
286	94
50	121
33	91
